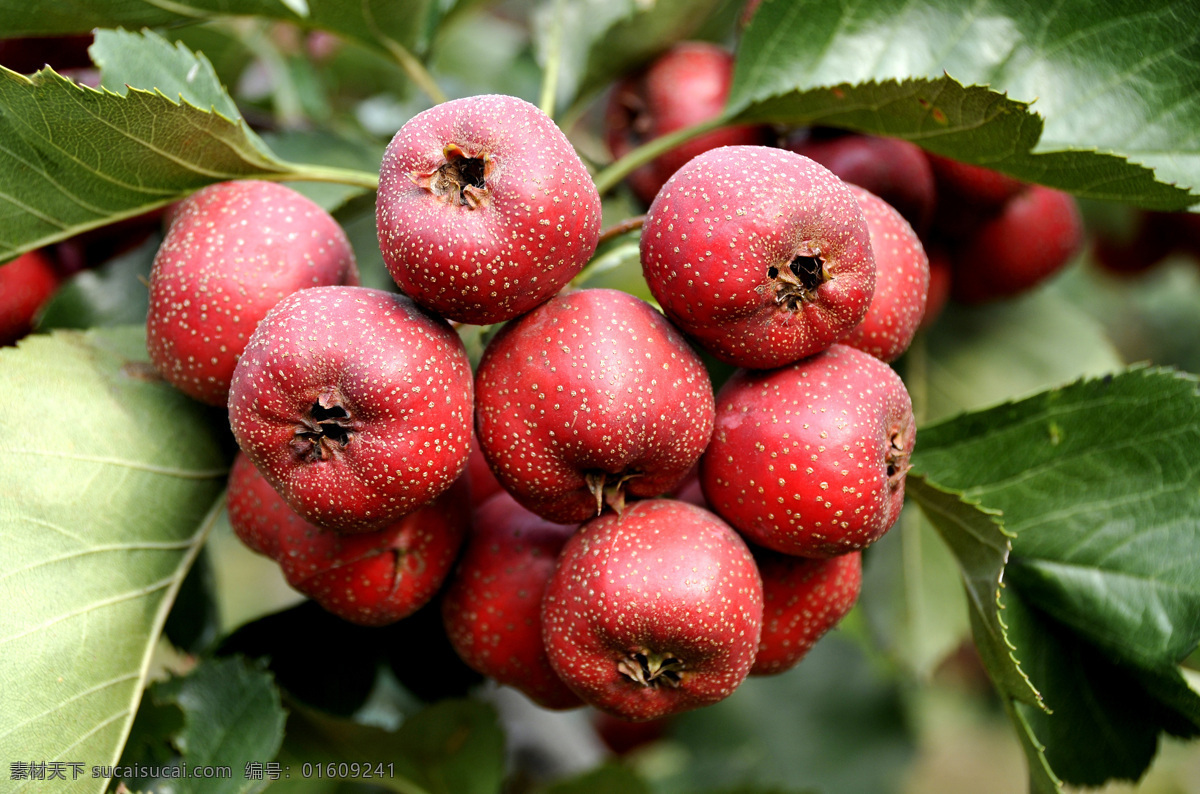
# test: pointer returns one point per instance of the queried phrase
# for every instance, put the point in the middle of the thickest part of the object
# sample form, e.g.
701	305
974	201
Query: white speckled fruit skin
400	372
803	599
664	576
798	458
532	234
723	221
233	250
592	380
492	608
901	281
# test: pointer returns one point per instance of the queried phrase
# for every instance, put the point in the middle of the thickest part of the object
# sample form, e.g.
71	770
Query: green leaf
326	149
146	60
1097	481
113	480
1117	111
376	22
231	717
74	158
452	747
599	40
981	546
843	729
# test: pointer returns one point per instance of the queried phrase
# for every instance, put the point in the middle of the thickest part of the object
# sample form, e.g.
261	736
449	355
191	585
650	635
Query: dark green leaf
377	22
112	479
843	729
1097	481
194	623
599	40
1108	81
232	716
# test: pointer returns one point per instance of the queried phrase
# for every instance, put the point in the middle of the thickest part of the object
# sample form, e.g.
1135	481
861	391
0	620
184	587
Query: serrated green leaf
1117	106
979	542
1097	481
73	158
376	22
112	480
599	40
148	61
231	717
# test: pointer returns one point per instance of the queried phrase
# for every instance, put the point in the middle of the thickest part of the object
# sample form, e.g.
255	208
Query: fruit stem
607	179
553	63
625	226
415	70
306	172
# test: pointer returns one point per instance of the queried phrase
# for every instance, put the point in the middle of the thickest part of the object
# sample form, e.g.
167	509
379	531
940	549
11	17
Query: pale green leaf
112	480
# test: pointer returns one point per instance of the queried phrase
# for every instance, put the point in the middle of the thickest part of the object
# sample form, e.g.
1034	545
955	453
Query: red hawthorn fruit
802	599
257	512
967	195
1034	236
589	398
810	459
233	251
901	282
762	255
356	404
685	86
897	171
492	607
484	209
26	284
376	578
653	611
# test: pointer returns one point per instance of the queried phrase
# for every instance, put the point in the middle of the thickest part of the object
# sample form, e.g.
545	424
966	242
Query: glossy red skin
803	599
402	375
1036	234
377	578
901	282
662	578
535	228
257	512
492	607
26	284
685	86
719	227
593	381
798	461
622	737
233	251
897	171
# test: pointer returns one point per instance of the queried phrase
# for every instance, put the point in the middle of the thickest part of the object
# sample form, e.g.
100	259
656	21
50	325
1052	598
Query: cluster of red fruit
988	236
611	566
